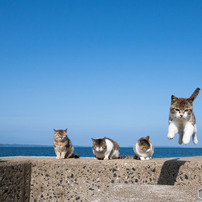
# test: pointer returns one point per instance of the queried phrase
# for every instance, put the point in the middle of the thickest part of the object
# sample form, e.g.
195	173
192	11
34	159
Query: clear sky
99	68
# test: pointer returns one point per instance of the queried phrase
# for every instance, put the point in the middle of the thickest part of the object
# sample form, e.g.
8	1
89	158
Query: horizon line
38	145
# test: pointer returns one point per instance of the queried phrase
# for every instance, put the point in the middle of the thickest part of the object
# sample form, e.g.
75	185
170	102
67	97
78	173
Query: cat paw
170	136
147	158
106	158
180	141
142	158
186	140
195	141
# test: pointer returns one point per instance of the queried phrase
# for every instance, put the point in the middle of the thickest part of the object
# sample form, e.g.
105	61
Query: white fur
143	155
185	129
109	148
116	153
142	158
180	115
99	154
99	149
109	145
194	136
172	130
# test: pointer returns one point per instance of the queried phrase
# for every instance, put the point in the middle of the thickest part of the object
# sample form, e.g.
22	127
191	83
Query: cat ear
92	139
190	100
66	130
54	130
147	138
194	95
173	99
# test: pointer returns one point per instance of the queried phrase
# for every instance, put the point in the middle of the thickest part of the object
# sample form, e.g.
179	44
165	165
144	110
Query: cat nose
181	115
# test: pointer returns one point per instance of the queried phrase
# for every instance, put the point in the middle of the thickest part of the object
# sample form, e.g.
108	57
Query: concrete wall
15	181
88	179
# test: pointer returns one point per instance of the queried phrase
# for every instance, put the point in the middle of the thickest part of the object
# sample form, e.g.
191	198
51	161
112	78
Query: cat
105	148
182	119
144	149
63	145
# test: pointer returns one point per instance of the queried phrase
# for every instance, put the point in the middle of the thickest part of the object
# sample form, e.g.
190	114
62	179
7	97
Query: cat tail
194	94
127	157
76	156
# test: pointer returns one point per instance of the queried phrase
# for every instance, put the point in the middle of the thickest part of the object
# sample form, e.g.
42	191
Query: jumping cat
182	119
105	148
144	149
62	145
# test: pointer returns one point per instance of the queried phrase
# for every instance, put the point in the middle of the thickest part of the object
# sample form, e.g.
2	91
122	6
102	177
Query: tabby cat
144	149
182	119
105	148
62	145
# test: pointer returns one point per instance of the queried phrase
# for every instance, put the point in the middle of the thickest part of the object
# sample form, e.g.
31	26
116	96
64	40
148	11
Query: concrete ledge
88	179
14	180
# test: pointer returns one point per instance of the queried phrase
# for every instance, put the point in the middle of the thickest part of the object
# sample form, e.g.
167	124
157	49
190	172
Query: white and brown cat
144	149
105	148
63	145
182	119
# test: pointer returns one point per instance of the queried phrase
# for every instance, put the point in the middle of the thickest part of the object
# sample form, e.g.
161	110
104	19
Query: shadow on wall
27	181
15	182
169	171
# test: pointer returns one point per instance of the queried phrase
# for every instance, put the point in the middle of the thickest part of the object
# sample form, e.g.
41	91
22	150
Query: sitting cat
182	119
105	148
144	148
62	145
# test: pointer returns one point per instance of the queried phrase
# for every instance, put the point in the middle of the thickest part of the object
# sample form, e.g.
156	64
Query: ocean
159	152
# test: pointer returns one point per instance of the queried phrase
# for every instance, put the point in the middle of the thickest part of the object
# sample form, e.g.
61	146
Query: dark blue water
160	152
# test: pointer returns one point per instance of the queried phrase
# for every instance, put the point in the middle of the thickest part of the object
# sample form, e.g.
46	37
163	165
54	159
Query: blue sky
98	68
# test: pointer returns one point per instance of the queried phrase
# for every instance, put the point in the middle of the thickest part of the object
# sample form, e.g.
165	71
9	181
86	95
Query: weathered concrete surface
150	193
88	179
15	181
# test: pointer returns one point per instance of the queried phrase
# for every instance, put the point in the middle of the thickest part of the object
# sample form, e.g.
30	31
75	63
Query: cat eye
186	110
177	110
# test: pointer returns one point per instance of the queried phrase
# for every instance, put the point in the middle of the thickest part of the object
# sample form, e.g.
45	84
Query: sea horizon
86	151
37	145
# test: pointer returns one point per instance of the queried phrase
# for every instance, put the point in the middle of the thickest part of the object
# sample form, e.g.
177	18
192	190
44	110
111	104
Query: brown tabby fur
62	145
144	144
143	149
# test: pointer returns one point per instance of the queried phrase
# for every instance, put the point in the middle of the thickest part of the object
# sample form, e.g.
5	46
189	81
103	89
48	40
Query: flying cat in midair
105	148
182	119
144	149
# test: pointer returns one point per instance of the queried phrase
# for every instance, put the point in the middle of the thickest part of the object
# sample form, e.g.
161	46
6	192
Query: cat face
60	134
99	145
144	143
181	108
